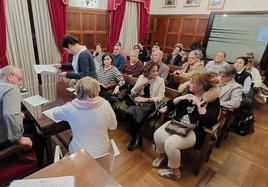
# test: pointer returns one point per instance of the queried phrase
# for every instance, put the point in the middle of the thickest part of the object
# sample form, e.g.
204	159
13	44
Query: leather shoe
135	143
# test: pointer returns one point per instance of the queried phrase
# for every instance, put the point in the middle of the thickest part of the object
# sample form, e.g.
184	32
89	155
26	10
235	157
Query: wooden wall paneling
89	25
167	30
88	22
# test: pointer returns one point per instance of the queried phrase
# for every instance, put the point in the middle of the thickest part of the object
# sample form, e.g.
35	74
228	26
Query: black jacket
207	120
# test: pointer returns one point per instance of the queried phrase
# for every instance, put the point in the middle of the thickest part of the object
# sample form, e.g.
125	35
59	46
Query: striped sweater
111	75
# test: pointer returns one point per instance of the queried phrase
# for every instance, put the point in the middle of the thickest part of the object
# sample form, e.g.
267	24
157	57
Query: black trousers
37	139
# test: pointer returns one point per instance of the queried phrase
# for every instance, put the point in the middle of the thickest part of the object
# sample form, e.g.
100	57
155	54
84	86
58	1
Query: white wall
229	5
98	4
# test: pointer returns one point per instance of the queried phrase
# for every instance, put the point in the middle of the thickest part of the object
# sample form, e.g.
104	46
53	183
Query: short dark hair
68	39
245	59
148	68
118	44
105	55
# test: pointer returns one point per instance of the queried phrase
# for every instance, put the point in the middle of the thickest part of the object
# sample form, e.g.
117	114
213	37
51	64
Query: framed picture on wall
169	3
192	3
215	4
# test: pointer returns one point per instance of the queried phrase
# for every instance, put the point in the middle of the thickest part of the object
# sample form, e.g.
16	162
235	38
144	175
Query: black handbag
179	128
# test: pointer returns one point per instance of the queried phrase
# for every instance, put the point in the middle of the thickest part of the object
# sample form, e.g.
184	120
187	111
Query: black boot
136	141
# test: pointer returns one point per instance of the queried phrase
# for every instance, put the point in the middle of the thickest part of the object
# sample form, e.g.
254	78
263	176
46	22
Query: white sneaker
157	161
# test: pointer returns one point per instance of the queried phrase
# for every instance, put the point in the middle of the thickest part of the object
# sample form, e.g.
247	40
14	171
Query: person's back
89	125
89	116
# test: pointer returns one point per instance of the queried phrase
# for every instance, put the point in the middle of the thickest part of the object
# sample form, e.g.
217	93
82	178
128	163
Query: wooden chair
107	160
227	114
201	155
14	164
130	80
173	68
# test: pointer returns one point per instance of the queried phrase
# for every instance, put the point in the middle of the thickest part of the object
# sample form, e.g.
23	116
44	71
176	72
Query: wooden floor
240	161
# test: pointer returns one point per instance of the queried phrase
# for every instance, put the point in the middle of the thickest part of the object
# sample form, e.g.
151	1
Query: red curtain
144	17
117	11
57	12
3	45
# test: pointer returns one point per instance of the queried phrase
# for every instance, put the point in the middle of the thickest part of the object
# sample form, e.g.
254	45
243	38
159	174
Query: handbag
179	127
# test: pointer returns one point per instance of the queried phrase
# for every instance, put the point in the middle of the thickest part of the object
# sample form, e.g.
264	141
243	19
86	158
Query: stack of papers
45	69
36	100
49	113
66	181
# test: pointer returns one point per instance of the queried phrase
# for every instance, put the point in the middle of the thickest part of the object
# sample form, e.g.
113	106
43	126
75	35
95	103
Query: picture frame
215	4
169	3
192	3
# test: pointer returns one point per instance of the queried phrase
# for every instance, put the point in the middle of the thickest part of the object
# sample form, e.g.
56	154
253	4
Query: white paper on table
49	113
36	100
71	89
45	69
65	181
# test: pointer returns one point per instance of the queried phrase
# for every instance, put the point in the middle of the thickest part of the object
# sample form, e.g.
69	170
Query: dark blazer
177	61
86	67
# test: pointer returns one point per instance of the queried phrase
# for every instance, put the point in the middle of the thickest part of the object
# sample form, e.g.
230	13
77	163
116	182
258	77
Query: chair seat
12	168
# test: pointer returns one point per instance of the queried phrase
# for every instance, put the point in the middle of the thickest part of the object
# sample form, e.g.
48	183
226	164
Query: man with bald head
157	57
12	129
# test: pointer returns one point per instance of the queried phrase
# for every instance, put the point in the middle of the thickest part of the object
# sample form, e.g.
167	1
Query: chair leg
197	167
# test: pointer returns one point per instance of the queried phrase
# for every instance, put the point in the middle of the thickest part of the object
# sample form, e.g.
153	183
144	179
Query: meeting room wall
229	5
90	26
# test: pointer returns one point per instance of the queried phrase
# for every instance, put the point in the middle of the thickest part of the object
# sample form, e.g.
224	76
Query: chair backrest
107	160
58	154
11	150
130	80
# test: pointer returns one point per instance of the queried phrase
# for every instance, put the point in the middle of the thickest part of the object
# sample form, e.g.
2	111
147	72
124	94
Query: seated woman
134	66
89	116
193	65
189	107
97	56
82	63
142	52
148	91
109	76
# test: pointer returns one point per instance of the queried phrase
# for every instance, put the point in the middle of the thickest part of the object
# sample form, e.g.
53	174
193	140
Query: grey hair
228	70
197	53
8	70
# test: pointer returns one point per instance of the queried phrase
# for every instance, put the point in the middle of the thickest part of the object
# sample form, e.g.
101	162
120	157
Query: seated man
12	129
230	91
163	68
244	123
242	76
134	66
175	58
118	59
216	65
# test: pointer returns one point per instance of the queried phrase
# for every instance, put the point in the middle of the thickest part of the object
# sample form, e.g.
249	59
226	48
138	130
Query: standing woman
82	63
147	93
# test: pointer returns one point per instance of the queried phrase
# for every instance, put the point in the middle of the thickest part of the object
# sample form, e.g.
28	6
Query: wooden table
59	96
81	165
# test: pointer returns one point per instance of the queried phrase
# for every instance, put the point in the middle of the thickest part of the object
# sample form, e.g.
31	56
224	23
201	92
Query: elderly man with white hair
12	129
157	57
